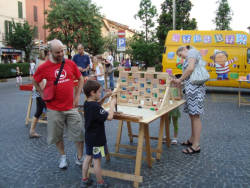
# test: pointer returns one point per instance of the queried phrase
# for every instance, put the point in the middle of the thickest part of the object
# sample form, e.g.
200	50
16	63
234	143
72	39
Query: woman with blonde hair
194	95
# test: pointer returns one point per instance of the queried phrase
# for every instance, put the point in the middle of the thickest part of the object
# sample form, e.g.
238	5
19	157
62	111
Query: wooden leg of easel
148	148
167	129
105	78
28	110
160	137
119	134
130	134
139	153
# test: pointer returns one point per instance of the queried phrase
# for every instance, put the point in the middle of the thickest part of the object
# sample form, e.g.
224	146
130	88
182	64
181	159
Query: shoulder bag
49	91
200	74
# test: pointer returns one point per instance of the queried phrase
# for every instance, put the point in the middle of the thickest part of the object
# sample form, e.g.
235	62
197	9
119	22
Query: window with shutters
7	27
20	9
35	13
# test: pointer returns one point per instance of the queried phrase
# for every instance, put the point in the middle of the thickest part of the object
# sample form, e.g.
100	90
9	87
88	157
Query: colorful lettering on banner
176	38
241	39
186	38
230	39
197	38
170	55
207	39
218	38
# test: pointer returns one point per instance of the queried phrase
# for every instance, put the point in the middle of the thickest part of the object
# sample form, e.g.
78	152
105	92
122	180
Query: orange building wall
41	5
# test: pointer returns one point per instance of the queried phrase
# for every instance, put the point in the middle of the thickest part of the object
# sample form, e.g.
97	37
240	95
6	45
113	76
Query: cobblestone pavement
224	161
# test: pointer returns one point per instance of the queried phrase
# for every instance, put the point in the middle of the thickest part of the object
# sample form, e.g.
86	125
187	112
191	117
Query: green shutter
6	27
10	27
20	9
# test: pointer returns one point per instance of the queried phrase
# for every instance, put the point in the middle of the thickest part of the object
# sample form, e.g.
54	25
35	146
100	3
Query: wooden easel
29	87
165	106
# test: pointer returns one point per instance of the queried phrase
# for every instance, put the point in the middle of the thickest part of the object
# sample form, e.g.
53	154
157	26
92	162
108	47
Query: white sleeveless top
98	71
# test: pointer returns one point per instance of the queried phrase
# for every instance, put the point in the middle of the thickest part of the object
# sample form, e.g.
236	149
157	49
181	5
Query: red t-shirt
65	87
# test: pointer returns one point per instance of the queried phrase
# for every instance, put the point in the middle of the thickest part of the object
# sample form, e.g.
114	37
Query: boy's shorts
96	151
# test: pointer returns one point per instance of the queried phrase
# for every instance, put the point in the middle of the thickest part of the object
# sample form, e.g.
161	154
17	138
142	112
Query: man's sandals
191	150
34	135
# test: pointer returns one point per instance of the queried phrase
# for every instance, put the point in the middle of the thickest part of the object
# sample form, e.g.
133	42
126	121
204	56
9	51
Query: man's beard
55	59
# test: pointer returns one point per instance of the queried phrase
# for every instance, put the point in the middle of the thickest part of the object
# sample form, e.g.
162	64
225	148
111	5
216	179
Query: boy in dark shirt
95	137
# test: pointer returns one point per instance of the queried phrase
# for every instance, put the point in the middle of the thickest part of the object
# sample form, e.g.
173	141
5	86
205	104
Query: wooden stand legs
27	119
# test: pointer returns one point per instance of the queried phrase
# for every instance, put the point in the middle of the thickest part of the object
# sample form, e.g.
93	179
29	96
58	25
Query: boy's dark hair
91	85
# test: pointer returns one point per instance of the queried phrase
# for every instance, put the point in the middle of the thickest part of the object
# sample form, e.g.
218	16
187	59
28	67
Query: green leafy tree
74	22
223	16
110	43
146	14
183	21
21	38
145	51
143	46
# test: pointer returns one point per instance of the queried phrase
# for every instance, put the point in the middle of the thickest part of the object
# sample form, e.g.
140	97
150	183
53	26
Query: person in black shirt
95	137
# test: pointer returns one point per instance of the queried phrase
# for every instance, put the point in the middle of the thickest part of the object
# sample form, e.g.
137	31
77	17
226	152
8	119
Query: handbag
200	74
49	91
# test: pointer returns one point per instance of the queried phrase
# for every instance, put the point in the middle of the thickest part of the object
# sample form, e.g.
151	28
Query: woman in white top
99	73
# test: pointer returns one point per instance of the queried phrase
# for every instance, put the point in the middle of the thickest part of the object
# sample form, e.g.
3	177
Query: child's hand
108	93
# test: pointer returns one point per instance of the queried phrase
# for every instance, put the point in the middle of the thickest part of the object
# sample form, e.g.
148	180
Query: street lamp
174	9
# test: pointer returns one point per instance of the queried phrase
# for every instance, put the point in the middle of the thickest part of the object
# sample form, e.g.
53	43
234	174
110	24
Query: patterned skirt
194	96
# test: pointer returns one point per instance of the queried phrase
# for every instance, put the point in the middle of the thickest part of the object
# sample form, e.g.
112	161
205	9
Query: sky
123	11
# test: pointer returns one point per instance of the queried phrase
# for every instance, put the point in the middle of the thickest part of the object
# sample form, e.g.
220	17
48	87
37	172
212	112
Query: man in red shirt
62	111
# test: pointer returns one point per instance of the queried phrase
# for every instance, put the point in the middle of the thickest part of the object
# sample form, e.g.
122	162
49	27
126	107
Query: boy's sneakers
86	183
102	185
174	141
78	161
63	162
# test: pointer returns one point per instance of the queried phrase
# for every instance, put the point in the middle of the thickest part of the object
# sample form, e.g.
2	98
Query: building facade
12	10
35	16
112	27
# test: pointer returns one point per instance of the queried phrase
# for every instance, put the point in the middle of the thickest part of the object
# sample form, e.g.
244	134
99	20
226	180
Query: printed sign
121	44
186	38
230	39
218	38
207	39
241	39
121	33
176	38
197	38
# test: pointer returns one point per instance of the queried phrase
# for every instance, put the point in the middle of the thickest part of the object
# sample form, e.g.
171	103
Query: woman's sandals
187	143
191	150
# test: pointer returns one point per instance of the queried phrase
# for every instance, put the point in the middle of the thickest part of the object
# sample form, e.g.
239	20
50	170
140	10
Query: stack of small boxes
142	89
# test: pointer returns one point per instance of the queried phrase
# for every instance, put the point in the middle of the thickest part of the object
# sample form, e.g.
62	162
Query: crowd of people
62	110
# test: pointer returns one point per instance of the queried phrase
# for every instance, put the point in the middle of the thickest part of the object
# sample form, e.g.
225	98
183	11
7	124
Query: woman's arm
111	109
187	72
